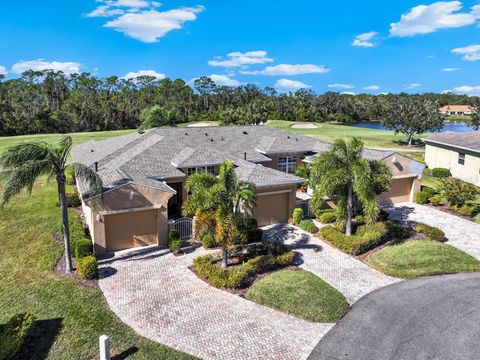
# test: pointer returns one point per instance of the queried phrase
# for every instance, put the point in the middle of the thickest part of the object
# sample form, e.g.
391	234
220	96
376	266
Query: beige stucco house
456	110
144	174
458	152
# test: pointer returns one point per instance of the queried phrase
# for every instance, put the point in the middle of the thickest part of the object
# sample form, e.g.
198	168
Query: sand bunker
199	124
304	126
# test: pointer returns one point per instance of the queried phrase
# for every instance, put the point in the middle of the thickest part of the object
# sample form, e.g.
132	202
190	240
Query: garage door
399	192
271	209
132	229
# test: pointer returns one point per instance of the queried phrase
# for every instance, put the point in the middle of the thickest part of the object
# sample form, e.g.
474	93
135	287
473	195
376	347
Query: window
461	158
201	169
287	164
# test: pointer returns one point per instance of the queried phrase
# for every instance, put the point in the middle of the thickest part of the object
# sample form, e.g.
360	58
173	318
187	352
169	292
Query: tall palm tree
342	172
25	163
226	195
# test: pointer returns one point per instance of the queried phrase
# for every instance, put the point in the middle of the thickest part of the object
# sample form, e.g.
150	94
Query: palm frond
18	155
91	177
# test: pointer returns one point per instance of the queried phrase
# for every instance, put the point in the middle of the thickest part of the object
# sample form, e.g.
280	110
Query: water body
453	126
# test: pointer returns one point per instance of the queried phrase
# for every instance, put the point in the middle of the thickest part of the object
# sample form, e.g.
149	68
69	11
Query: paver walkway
461	233
160	298
348	275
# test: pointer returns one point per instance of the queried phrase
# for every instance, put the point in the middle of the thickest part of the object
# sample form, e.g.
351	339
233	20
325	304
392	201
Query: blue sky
344	46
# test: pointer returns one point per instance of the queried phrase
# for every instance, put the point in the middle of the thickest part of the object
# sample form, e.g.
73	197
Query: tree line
48	101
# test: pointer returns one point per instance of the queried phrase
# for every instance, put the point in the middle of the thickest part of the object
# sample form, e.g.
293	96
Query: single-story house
456	110
458	152
144	175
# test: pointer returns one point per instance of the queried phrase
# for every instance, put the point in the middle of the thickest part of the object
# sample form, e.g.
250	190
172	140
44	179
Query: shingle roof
469	141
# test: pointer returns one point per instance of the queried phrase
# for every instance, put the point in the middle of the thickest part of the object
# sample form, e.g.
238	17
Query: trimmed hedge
13	334
353	245
308	226
328	217
297	216
236	277
174	241
83	248
422	198
441	173
87	267
431	232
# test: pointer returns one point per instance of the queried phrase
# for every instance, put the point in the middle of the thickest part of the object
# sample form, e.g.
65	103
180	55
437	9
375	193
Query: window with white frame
461	158
201	169
287	164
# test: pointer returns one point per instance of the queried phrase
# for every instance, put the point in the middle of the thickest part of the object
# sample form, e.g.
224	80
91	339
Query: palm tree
25	163
342	172
226	195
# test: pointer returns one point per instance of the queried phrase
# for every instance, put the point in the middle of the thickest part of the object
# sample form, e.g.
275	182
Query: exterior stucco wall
402	190
447	157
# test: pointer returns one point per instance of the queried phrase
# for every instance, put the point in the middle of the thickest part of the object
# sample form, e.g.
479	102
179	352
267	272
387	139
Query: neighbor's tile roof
469	141
456	108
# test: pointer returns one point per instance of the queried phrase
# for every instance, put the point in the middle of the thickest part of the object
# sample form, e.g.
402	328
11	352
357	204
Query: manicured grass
299	293
71	317
421	258
328	132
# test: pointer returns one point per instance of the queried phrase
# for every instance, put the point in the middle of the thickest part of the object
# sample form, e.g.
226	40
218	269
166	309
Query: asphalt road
426	318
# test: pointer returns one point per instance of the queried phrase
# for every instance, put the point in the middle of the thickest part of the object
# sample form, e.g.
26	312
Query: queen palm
343	173
25	163
227	196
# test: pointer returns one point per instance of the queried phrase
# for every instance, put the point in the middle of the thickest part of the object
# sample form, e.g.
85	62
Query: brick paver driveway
160	298
461	233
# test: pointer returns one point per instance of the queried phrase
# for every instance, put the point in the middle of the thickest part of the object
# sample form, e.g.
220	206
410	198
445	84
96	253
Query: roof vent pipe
96	166
245	156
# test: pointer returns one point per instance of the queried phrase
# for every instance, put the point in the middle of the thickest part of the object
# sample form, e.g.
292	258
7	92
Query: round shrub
431	232
87	267
328	217
436	200
72	199
428	191
441	173
467	209
297	216
208	240
422	198
308	226
174	241
83	247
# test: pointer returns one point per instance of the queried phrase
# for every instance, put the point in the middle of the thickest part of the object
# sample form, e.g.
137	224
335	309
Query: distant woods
48	101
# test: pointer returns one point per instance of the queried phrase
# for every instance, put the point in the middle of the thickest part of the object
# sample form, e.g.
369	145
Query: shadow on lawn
125	354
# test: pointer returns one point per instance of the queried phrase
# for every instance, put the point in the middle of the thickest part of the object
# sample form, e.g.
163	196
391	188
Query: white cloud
135	74
40	64
413	86
3	70
290	85
237	59
465	89
289	69
105	11
149	26
223	80
372	87
348	93
341	86
425	19
110	8
365	39
450	69
469	53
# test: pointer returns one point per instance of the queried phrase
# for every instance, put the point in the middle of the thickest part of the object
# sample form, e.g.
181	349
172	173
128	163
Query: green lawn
299	293
421	258
71	316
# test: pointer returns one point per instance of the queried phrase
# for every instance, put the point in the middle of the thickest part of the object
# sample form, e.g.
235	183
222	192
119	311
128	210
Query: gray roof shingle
470	141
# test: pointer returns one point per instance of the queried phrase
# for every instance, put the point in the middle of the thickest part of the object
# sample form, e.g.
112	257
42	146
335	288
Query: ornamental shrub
297	216
13	334
431	232
428	191
457	192
328	217
308	226
87	267
208	240
436	200
72	199
83	247
353	245
441	173
422	198
174	241
467	209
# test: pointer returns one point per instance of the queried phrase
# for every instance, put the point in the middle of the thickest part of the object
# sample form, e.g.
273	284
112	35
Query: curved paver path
160	298
461	233
433	317
350	276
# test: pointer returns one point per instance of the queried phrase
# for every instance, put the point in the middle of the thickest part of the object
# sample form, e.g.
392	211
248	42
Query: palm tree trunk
224	258
66	229
348	222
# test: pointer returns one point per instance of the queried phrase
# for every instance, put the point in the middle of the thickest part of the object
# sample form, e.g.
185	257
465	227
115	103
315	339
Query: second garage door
271	209
132	229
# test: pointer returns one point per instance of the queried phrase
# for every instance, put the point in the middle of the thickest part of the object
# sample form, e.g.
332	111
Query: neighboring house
456	110
144	175
458	152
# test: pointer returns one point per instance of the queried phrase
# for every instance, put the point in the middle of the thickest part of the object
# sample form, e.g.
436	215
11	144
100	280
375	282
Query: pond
452	126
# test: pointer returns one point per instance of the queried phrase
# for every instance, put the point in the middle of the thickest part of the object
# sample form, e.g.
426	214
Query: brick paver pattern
160	298
461	233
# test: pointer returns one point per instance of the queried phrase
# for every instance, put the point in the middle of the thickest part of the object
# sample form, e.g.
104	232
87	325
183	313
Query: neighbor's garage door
398	193
271	209
132	229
